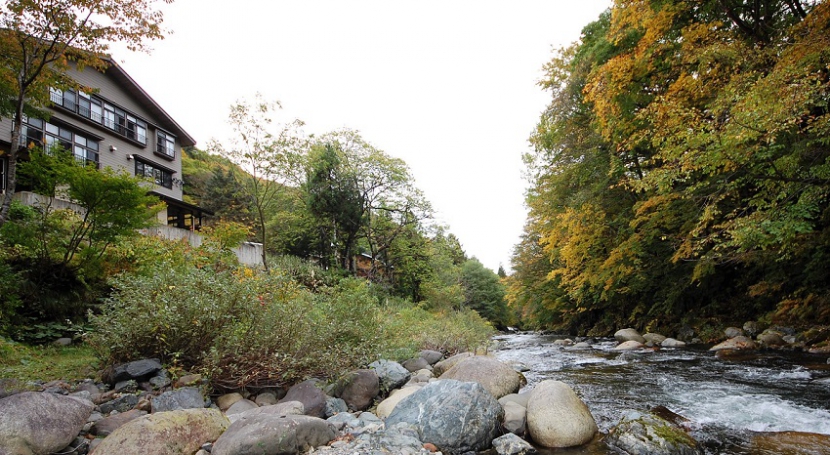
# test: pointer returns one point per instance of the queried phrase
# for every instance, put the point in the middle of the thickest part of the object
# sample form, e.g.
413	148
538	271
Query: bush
238	328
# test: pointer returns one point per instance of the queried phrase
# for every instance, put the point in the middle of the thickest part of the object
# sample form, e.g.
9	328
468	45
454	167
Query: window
2	174
36	132
162	177
98	111
165	144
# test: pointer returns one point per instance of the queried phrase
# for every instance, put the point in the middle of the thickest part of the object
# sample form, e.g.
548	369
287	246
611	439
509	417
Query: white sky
447	86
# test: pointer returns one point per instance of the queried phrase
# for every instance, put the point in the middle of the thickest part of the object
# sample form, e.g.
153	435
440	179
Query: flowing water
726	400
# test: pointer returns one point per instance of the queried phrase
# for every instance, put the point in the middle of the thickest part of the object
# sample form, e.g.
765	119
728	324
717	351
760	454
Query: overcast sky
447	86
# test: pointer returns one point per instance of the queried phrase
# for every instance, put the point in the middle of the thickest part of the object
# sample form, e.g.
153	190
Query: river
726	400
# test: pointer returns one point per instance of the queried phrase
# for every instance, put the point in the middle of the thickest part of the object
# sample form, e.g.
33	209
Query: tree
40	40
484	292
272	160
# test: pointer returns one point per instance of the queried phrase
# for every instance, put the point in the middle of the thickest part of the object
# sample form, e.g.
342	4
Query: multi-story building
117	125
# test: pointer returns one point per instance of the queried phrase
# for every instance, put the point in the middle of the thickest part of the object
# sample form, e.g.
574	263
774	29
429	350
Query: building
119	126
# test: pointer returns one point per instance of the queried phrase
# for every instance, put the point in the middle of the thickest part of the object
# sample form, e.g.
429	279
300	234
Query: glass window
160	176
165	144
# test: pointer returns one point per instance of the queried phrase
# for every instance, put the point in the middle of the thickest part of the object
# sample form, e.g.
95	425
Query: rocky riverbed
464	404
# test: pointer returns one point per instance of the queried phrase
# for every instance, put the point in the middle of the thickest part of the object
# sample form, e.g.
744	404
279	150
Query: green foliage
484	292
680	167
46	363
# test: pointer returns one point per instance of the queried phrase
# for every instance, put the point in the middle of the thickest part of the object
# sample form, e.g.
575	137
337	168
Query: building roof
164	119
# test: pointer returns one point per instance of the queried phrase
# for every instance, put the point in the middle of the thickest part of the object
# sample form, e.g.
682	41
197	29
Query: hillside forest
680	173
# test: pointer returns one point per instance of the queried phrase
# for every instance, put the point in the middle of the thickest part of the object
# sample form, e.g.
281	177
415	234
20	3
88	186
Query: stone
241	406
266	399
557	417
672	343
335	406
654	338
518	398
280	409
565	342
732	332
649	434
628	335
138	370
790	443
269	434
61	342
439	368
310	395
496	377
189	380
581	345
107	425
184	398
392	374
120	404
388	405
432	357
510	444
771	338
418	363
227	400
358	389
737	343
160	380
33	423
515	418
751	328
456	416
629	346
128	386
165	433
685	333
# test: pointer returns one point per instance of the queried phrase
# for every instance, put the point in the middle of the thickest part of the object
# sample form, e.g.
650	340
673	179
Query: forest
680	174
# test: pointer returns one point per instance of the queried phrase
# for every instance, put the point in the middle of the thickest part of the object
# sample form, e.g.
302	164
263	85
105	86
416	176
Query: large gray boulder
165	433
629	334
33	423
280	409
310	395
392	374
137	370
456	416
432	357
498	378
271	434
358	389
649	434
174	400
557	417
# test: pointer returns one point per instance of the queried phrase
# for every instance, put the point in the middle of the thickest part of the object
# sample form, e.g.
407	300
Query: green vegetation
680	172
46	363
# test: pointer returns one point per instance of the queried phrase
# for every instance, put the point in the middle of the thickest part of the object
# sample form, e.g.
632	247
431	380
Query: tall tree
269	152
40	40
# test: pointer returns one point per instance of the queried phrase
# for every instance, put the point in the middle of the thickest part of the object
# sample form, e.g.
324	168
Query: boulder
519	398
165	433
629	346
515	418
271	434
240	407
581	345
227	400
498	378
266	399
628	335
732	332
654	338
358	389
565	342
388	405
736	343
648	434
310	395
335	406
456	416
672	343
510	444
557	417
392	375
280	409
137	370
120	404
418	363
790	443
174	400
771	338
33	423
444	365
107	425
432	357
751	328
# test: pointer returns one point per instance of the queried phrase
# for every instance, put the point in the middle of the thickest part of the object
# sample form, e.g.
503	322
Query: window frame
165	142
160	175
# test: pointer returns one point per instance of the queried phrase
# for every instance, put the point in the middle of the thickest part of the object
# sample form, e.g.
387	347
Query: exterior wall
248	253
